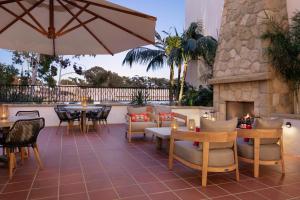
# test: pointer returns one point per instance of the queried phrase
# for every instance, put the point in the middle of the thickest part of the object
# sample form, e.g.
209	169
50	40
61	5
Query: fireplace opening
239	109
244	111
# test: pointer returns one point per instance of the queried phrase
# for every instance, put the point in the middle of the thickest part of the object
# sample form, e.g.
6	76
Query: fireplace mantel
241	78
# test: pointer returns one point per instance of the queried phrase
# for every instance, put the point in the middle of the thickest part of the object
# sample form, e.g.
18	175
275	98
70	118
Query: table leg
83	121
159	143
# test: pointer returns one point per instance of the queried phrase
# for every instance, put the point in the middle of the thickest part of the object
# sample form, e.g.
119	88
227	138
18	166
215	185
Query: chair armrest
181	116
204	136
259	133
128	117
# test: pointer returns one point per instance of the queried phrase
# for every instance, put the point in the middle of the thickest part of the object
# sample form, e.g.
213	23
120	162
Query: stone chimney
241	71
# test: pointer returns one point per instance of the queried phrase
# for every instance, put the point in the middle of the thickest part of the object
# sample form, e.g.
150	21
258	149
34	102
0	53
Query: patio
105	166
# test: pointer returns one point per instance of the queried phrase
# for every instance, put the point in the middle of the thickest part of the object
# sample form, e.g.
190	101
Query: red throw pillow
166	116
197	143
142	117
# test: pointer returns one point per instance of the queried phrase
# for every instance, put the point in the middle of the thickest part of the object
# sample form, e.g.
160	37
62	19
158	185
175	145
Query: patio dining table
83	110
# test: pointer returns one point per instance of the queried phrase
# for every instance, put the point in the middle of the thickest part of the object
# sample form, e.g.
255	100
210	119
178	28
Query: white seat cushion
217	157
268	152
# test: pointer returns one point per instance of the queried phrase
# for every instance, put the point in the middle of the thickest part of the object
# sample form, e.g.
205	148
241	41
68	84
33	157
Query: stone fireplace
241	71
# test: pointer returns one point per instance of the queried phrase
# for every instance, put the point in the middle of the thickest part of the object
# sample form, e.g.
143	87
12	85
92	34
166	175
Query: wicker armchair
30	113
23	133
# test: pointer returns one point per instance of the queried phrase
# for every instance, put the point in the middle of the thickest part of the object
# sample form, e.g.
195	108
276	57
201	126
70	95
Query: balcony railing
41	93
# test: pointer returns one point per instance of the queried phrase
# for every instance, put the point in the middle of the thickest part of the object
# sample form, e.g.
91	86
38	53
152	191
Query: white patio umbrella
72	27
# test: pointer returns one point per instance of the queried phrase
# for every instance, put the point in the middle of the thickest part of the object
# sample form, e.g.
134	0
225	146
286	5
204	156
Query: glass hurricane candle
192	125
3	112
174	125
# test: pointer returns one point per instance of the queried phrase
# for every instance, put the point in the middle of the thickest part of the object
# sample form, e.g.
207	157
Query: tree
8	74
43	67
154	58
284	51
194	46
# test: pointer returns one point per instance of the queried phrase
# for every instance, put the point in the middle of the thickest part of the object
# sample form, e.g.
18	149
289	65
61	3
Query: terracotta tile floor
103	166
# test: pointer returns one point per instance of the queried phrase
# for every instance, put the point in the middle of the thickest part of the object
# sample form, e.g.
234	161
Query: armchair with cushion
265	146
217	150
164	116
137	119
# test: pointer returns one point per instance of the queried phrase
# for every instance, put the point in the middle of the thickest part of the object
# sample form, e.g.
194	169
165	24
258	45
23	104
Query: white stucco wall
293	6
207	11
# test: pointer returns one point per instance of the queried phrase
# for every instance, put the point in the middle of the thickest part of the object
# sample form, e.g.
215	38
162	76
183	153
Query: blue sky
169	13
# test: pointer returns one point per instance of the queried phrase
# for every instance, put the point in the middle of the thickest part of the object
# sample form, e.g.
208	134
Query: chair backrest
105	112
61	107
62	114
216	137
24	132
30	113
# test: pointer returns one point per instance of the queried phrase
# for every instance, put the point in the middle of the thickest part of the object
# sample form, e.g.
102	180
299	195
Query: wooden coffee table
161	134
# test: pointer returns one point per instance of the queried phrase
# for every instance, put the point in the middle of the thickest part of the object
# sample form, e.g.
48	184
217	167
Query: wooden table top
83	108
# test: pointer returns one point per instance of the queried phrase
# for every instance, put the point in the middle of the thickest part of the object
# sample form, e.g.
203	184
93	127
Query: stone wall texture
241	53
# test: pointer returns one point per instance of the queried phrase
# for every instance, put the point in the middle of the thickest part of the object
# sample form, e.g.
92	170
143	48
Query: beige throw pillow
268	123
218	126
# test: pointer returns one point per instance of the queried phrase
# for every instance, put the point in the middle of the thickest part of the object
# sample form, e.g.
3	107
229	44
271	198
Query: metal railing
41	93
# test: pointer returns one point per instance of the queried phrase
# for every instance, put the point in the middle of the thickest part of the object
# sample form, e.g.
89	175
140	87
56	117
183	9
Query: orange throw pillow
166	116
143	117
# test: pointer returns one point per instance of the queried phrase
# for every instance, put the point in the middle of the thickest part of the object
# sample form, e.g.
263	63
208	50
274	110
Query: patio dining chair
29	113
217	150
95	117
105	113
65	116
24	133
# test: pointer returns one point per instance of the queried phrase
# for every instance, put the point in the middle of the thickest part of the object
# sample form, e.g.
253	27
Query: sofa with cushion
164	116
137	119
264	144
216	151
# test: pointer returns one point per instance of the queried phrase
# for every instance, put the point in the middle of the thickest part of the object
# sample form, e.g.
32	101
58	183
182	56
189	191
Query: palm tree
155	58
195	45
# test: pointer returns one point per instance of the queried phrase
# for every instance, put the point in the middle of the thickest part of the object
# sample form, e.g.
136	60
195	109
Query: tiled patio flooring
103	166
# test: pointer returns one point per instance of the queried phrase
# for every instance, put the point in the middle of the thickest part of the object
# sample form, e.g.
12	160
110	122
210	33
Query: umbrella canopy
72	27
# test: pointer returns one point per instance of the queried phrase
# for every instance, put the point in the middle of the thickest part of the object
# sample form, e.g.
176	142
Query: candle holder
3	112
192	125
174	125
84	101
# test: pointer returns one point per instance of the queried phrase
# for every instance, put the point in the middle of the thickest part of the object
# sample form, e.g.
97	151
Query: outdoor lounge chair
181	119
138	127
265	146
217	150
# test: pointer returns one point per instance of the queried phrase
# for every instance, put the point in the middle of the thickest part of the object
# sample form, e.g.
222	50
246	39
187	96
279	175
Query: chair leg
11	163
22	151
256	157
171	152
282	156
129	138
237	173
37	156
205	163
58	127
